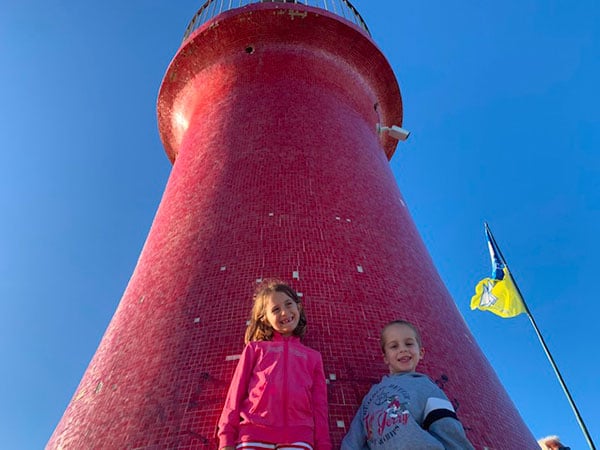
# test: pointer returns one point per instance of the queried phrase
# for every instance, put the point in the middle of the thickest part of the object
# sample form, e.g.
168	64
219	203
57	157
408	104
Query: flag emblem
487	298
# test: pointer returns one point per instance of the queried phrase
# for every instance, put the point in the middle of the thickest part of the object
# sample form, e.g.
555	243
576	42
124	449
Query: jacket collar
278	337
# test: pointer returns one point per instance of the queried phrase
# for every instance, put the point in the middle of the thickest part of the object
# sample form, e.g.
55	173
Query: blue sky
502	102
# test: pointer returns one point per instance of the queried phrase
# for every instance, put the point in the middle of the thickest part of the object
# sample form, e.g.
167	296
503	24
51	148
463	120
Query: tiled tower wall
278	171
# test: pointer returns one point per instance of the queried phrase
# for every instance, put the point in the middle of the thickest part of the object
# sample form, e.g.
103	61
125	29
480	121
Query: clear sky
502	102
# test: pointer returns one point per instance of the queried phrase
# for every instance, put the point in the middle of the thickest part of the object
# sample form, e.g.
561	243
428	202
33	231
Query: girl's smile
282	313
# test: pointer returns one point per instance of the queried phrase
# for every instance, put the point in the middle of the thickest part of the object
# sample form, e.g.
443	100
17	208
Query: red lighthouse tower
269	114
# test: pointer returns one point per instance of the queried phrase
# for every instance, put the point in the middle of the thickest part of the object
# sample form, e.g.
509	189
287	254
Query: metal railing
212	8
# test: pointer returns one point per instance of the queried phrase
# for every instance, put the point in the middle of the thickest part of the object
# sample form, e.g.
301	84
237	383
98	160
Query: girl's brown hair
259	328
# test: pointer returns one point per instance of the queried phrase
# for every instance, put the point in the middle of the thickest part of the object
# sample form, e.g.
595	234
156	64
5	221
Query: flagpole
541	339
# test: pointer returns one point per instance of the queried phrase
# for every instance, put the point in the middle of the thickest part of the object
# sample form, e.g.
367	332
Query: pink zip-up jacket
278	395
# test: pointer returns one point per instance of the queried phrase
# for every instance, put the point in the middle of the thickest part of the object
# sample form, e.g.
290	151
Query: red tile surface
278	170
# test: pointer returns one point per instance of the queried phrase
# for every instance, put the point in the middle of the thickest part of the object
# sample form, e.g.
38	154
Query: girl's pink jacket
278	395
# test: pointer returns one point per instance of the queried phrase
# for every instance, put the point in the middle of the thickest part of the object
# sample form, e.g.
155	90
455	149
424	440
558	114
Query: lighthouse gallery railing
212	8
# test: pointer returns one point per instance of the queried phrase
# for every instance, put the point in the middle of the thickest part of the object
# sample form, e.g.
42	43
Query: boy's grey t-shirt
406	411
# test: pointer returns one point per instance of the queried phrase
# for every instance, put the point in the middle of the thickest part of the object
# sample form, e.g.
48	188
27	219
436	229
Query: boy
406	410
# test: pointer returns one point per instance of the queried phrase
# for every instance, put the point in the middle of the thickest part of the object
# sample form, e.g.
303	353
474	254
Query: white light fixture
394	131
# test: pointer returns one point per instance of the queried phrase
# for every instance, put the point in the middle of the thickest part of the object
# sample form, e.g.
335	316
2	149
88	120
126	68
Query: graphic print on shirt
386	413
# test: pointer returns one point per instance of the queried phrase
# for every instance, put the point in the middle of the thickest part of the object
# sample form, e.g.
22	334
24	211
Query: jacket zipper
285	382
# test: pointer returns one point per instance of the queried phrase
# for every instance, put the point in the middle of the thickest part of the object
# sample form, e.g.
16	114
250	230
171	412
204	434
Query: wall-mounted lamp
394	131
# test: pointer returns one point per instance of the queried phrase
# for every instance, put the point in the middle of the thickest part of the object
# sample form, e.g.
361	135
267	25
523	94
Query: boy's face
402	352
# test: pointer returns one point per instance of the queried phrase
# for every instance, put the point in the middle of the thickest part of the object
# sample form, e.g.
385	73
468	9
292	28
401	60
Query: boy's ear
421	352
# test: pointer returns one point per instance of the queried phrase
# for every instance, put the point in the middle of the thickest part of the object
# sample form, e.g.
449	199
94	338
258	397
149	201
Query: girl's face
402	351
282	313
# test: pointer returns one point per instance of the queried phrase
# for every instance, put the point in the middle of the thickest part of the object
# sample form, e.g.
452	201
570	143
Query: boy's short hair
400	322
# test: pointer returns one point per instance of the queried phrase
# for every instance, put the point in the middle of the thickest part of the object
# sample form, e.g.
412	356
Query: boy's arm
229	421
320	406
440	420
356	438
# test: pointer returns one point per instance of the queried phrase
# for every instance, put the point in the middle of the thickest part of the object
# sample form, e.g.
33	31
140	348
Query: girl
277	398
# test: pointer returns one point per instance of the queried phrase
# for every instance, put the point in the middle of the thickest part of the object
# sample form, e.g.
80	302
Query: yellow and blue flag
498	294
